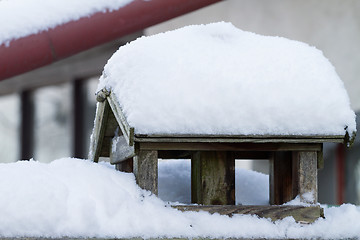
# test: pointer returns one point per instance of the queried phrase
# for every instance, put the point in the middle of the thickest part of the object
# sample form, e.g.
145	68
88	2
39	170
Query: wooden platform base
299	213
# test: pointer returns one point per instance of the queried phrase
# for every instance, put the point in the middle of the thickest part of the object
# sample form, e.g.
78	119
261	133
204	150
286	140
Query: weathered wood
281	178
320	158
299	213
305	176
120	150
105	147
213	178
126	129
256	155
230	146
183	154
146	170
111	126
237	138
102	112
125	166
168	154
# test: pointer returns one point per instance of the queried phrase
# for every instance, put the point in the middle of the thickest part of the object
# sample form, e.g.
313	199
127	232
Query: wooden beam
305	176
126	129
281	178
146	170
196	146
182	154
254	136
260	155
320	158
299	213
213	178
125	166
102	112
238	138
176	154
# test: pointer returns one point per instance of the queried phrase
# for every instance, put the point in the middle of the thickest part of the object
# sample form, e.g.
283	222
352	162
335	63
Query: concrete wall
333	26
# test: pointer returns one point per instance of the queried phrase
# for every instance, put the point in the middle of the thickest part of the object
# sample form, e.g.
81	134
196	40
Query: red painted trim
38	50
340	174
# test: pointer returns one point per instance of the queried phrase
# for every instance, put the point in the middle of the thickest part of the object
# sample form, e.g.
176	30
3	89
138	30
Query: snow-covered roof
33	16
217	79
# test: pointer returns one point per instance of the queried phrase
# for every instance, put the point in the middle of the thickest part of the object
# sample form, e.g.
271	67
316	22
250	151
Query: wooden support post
101	117
213	178
146	170
281	178
125	166
305	176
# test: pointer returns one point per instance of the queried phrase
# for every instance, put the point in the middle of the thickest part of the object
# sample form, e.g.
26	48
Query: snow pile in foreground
217	79
33	16
77	198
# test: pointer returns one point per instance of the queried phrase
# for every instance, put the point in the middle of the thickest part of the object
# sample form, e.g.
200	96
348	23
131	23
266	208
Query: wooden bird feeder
294	162
214	93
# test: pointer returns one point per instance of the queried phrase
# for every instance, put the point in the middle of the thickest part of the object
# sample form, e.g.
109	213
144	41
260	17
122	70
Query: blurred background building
48	113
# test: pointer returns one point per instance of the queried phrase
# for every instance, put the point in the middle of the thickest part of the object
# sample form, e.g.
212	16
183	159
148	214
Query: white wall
333	26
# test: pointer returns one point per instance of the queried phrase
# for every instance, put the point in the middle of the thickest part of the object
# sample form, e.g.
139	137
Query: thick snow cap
217	79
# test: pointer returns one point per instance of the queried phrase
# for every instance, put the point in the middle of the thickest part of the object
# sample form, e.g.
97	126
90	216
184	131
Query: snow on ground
217	79
33	16
78	198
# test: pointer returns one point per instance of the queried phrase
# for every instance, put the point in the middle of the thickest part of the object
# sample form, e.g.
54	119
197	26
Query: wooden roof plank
102	113
231	146
259	139
126	129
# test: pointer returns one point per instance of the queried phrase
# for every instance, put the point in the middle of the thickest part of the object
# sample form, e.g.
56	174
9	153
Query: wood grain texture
281	178
208	138
254	136
305	176
102	112
299	213
196	146
105	147
213	178
126	129
184	154
146	170
320	158
125	166
111	126
175	154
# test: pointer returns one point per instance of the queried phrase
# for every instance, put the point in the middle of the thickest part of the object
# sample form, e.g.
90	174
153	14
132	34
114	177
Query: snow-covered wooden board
301	214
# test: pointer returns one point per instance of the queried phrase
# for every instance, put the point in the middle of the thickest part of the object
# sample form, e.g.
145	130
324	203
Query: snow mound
33	16
77	198
217	79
